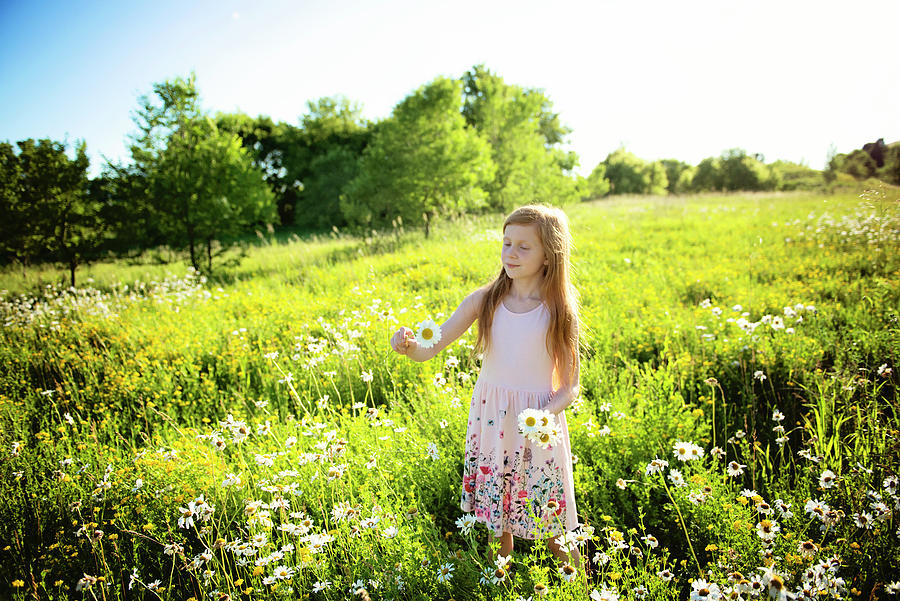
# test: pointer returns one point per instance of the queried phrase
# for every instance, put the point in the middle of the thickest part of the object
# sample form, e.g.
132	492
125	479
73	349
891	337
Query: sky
686	80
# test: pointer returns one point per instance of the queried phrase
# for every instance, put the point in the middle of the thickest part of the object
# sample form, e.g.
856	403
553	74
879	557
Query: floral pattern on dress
504	491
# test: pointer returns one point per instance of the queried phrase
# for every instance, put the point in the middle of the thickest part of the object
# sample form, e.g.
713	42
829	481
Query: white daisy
428	333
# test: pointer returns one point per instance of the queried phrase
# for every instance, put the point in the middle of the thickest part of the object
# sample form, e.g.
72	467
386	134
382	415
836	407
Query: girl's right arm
404	339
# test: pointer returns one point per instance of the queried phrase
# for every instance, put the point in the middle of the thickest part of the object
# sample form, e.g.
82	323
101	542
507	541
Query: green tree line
198	183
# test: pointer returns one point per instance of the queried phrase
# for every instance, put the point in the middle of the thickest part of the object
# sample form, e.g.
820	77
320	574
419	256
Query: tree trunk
193	252
72	265
209	255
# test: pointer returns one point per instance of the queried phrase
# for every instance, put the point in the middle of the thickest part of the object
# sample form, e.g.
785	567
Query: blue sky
682	80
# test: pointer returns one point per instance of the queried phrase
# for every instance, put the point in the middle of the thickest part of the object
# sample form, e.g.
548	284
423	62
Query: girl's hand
404	341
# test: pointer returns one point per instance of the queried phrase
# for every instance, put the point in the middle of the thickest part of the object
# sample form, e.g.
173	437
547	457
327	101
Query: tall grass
759	328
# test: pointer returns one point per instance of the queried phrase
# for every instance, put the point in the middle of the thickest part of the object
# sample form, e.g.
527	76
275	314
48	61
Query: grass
152	368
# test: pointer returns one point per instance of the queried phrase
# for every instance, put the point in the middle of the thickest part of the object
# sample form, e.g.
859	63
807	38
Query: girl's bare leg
506	544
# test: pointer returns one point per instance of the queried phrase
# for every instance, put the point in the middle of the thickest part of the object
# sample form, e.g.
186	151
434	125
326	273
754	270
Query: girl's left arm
568	390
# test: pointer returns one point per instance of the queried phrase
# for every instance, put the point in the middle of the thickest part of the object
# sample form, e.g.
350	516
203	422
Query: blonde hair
557	291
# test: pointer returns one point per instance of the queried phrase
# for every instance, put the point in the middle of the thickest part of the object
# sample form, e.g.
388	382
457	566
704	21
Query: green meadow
250	434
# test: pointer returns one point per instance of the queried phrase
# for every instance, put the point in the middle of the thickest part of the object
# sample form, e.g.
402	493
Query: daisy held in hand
528	343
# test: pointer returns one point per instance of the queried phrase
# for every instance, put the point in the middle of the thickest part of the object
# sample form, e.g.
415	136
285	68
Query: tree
423	162
524	135
743	172
890	172
594	185
859	164
333	136
674	170
202	184
627	174
708	176
46	210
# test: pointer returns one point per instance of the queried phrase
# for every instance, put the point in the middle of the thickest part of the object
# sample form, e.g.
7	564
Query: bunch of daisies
539	427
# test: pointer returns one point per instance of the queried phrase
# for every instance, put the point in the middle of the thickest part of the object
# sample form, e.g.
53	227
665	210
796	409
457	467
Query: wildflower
748	493
884	371
433	451
319	586
676	478
735	469
777	415
666	575
717	452
684	451
863	520
604	594
777	323
775	582
529	421
366	376
428	334
759	375
701	590
86	583
807	548
893	588
767	530
445	572
283	572
605	407
650	541
656	466
621	483
173	549
466	523
187	516
827	479
389	532
891	484
541	589
369	522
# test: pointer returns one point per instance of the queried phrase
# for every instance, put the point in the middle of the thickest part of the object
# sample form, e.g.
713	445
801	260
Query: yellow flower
18	583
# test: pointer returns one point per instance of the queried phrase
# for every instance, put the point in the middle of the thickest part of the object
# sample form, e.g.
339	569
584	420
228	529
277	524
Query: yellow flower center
427	333
530	421
545	437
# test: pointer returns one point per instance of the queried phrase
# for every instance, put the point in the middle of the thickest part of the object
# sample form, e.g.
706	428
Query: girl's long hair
557	291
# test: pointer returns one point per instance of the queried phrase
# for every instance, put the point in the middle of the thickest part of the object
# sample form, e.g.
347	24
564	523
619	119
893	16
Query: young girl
528	332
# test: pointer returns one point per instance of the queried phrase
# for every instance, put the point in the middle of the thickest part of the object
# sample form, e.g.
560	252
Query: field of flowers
253	436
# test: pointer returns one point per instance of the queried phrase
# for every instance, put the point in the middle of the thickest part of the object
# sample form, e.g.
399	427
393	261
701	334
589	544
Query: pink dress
503	472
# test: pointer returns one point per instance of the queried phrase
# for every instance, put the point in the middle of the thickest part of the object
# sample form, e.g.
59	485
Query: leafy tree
657	181
331	173
859	164
890	172
628	174
791	176
203	185
47	212
708	176
423	162
524	135
743	172
594	185
674	170
275	153
333	136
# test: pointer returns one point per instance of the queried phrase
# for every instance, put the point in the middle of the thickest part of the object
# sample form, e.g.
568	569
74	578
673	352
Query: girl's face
523	254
